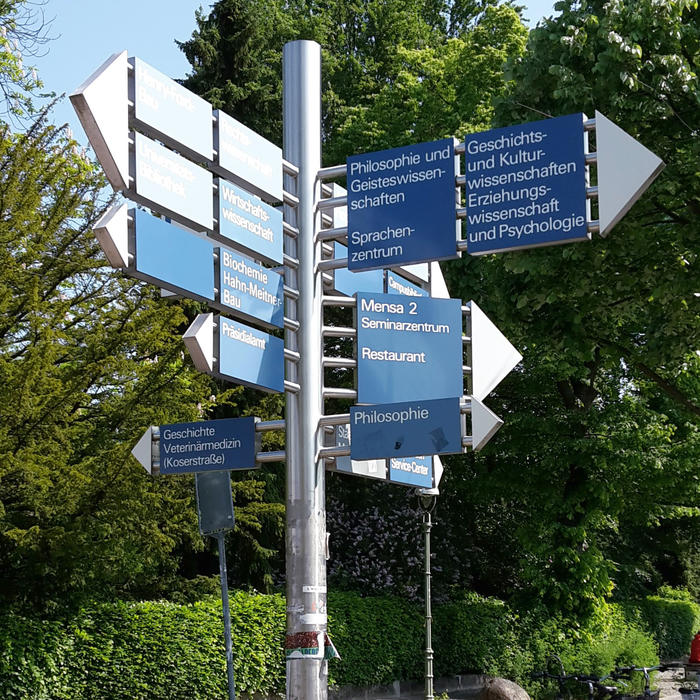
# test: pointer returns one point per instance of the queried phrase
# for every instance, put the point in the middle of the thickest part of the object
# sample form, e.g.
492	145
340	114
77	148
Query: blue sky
87	32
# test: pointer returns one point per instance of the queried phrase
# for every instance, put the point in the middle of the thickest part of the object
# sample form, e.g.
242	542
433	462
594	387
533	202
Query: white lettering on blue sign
242	336
256	211
232	270
376	415
525	185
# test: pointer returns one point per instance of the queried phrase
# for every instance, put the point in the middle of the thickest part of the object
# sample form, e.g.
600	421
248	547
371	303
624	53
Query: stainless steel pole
227	614
306	509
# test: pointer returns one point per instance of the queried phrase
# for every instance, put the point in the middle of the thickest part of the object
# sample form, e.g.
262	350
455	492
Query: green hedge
154	650
672	621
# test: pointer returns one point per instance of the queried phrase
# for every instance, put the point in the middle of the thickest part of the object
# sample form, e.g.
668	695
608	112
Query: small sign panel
225	444
371	468
214	502
346	282
526	185
251	160
171	257
408	349
406	429
252	291
172	184
395	284
402	206
247	222
250	357
173	112
412	471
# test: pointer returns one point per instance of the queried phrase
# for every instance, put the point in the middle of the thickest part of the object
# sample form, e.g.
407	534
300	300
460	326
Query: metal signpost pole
427	504
306	512
220	539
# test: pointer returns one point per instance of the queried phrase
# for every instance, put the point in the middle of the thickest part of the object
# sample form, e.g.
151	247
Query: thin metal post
306	509
427	504
220	539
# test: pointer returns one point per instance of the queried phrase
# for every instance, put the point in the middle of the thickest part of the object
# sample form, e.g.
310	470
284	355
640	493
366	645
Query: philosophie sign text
173	112
251	290
172	258
405	429
408	348
396	284
253	161
228	443
173	184
247	222
249	356
526	185
402	206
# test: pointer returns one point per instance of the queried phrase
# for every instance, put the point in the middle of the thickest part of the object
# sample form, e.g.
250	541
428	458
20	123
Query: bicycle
625	673
597	688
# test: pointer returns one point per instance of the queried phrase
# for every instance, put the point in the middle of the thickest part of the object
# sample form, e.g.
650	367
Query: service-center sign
402	206
408	348
526	185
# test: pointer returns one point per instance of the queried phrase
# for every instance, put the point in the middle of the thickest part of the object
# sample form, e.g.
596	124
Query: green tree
602	422
23	30
87	361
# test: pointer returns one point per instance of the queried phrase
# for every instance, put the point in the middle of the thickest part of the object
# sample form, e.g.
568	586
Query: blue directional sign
175	185
250	357
405	429
228	443
402	206
252	291
395	284
346	282
526	185
253	161
412	471
247	222
408	349
170	111
172	257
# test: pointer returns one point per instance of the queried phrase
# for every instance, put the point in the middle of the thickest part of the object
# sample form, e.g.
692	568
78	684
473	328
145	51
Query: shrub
672	621
163	650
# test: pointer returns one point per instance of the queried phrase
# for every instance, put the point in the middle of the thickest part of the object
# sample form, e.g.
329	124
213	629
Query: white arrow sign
485	424
625	170
101	104
143	451
199	341
493	357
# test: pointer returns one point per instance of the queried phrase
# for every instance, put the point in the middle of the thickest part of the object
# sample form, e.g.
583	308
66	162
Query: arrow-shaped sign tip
485	424
101	104
112	233
142	451
625	170
199	341
493	356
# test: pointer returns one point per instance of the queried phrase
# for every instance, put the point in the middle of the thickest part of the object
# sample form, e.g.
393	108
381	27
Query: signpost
525	186
225	444
236	352
388	221
408	349
189	264
406	429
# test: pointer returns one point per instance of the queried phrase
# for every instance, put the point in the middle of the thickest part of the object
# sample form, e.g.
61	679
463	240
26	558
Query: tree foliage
87	361
23	31
602	421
